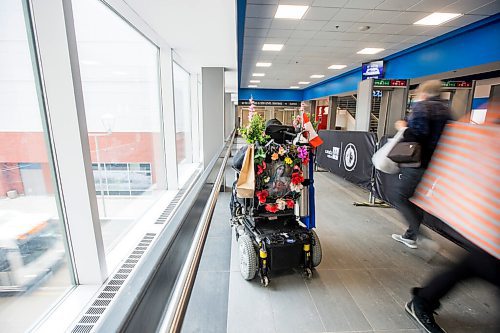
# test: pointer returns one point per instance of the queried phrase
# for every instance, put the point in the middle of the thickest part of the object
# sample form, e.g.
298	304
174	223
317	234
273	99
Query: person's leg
440	284
476	264
427	299
413	215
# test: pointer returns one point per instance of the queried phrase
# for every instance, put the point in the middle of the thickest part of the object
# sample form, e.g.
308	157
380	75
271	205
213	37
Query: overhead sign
373	69
456	84
269	103
390	83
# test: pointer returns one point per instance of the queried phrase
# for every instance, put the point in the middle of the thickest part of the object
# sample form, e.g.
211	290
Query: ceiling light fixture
437	18
317	76
263	64
304	82
272	47
259	74
337	67
290	12
294	87
254	81
370	50
252	86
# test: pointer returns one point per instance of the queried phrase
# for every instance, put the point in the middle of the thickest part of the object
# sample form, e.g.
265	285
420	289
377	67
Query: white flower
296	188
281	204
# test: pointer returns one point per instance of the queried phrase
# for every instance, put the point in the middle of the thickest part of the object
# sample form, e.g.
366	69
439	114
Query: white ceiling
329	34
202	33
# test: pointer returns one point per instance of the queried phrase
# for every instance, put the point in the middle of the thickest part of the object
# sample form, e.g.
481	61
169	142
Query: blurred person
477	263
424	125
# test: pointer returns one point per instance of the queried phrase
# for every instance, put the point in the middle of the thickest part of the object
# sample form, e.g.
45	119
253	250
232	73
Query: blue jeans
410	177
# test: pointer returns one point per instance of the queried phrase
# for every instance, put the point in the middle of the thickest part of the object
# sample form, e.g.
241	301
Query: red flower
297	178
262	195
306	161
290	203
273	208
261	168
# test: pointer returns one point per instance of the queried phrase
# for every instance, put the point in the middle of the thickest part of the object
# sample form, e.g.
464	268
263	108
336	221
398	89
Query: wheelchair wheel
248	257
316	249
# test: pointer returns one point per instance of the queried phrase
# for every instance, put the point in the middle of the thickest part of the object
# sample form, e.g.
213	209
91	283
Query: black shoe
423	317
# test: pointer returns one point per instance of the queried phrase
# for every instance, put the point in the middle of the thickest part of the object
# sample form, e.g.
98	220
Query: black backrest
280	133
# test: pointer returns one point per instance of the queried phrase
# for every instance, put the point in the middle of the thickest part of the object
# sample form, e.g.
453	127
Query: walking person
463	195
424	125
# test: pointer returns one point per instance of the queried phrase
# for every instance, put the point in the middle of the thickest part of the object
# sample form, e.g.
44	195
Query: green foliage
254	132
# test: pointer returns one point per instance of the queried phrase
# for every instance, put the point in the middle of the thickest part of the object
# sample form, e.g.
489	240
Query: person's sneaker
408	242
423	317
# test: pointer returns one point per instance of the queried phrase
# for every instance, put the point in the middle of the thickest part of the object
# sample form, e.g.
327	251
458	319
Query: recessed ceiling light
272	47
317	76
263	64
252	86
291	12
337	66
370	50
254	81
437	18
304	82
259	74
294	87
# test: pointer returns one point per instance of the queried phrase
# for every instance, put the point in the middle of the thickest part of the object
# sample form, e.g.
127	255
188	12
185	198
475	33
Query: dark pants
476	264
410	177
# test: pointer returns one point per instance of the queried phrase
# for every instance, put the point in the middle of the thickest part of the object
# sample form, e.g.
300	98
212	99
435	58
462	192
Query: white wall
213	111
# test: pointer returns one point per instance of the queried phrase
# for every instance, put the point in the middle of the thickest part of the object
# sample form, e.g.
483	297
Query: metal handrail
174	316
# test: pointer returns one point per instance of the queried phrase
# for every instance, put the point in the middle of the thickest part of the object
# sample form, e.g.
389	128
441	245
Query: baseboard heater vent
90	318
170	208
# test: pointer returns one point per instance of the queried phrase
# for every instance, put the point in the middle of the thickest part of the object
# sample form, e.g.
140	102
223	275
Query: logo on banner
350	157
333	154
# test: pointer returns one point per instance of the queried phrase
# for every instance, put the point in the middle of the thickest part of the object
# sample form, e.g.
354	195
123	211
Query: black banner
348	155
269	103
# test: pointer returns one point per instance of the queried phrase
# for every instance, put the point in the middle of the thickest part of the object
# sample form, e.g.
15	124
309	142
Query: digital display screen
457	84
373	69
390	83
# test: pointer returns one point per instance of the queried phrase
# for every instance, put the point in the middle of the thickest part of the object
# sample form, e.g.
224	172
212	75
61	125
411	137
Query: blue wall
473	45
240	17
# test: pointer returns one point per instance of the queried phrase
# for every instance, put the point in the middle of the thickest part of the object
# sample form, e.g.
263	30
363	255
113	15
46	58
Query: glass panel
34	270
119	69
183	124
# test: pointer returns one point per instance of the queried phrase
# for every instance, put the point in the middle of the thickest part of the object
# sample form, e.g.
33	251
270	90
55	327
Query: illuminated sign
456	84
390	83
374	69
269	103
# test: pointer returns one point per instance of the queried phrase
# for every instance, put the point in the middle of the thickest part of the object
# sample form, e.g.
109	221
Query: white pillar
364	105
52	21
168	115
228	112
213	111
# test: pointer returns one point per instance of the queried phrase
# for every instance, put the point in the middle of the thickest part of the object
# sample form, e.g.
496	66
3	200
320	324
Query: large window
183	124
33	265
119	69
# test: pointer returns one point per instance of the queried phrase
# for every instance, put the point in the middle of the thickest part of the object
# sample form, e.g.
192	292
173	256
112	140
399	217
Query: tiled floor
360	286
